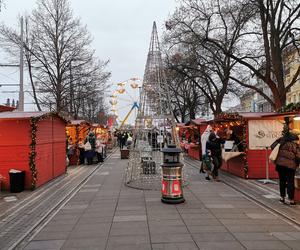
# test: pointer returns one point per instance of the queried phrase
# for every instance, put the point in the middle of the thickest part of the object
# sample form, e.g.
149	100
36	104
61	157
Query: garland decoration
291	107
235	119
32	154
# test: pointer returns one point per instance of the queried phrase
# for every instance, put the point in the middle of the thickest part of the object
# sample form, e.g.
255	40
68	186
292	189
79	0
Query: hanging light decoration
113	102
121	90
121	84
134	85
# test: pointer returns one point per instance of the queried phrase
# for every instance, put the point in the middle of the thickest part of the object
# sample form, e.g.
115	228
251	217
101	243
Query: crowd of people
124	139
87	149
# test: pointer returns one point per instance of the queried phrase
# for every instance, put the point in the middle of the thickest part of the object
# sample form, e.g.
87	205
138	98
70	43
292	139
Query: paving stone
254	236
227	245
282	236
211	229
60	228
168	229
128	240
261	216
295	235
295	245
46	235
280	228
90	243
223	206
177	246
74	207
265	245
166	238
202	222
205	236
130	218
92	227
129	247
47	244
246	228
159	223
80	234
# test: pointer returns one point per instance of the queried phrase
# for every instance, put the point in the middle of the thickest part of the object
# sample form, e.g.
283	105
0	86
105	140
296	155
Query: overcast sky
121	31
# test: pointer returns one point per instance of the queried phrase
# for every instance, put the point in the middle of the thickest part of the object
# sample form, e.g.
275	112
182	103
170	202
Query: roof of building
78	122
197	121
26	115
4	108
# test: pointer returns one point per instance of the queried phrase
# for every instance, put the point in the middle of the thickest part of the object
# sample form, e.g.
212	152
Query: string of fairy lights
32	154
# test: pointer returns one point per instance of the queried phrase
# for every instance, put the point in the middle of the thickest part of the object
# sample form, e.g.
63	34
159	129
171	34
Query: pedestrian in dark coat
91	138
287	161
214	145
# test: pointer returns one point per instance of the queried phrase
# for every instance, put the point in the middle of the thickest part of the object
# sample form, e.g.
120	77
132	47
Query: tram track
12	222
239	186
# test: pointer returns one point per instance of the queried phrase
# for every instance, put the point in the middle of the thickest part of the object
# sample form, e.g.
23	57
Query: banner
262	133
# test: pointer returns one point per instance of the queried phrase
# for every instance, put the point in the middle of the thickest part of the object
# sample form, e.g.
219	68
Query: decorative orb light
134	85
121	90
113	102
121	84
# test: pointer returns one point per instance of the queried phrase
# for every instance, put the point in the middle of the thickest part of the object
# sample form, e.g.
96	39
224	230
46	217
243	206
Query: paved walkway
105	214
28	209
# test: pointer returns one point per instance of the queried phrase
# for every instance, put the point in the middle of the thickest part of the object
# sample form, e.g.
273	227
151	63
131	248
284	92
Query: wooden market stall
248	139
77	131
34	142
190	137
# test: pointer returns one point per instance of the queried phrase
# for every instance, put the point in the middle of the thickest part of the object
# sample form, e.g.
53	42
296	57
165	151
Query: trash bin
172	176
16	180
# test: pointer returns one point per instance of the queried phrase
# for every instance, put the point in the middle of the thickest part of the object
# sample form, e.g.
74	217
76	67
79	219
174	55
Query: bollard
172	176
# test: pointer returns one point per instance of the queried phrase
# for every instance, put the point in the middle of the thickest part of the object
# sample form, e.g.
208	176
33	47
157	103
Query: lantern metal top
171	149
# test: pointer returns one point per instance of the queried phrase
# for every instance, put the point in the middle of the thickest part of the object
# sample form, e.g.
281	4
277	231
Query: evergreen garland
289	108
32	154
243	123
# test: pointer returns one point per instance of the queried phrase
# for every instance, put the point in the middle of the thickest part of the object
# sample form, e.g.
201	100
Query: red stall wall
51	150
59	146
257	165
14	148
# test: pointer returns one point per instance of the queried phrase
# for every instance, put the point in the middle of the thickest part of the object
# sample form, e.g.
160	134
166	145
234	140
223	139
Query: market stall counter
77	131
190	137
248	139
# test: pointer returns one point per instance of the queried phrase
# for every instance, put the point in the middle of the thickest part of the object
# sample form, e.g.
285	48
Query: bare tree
60	60
186	99
273	32
206	64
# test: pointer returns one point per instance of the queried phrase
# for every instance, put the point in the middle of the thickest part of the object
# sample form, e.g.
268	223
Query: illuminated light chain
239	121
292	107
32	155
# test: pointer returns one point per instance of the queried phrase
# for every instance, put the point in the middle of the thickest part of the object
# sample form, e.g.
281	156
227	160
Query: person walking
214	145
287	161
205	157
90	149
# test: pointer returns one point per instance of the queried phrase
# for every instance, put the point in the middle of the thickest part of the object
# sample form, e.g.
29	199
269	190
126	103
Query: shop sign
262	133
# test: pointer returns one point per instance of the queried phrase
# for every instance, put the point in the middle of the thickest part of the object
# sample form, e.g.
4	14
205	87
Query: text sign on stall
262	133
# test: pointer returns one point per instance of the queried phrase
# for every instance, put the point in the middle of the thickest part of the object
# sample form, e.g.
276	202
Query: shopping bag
274	153
207	163
87	146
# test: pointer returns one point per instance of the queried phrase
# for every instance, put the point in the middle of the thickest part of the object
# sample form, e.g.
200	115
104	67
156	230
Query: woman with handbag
287	161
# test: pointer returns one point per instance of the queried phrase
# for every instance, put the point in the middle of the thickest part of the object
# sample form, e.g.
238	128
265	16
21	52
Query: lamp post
172	176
